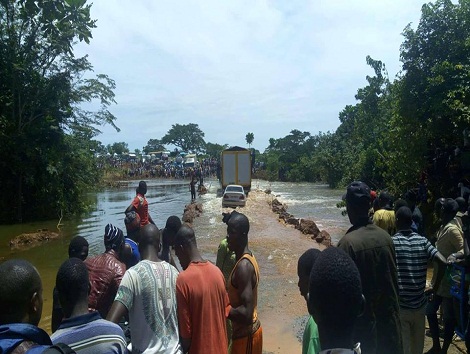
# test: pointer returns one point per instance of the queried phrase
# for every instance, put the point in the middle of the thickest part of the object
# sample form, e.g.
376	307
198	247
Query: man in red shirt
140	205
202	300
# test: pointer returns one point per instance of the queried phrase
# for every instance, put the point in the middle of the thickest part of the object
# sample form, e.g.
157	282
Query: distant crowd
137	168
367	295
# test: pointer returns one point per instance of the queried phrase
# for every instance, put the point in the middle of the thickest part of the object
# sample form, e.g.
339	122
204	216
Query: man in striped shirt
84	332
412	254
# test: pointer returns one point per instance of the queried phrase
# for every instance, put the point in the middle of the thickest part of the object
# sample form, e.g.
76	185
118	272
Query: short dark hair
173	223
462	204
72	280
142	188
335	289
240	222
404	217
450	207
185	236
20	280
400	203
76	245
149	236
306	261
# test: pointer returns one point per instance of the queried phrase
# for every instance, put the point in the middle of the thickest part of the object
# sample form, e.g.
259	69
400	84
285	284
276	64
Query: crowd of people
141	168
132	297
376	282
368	294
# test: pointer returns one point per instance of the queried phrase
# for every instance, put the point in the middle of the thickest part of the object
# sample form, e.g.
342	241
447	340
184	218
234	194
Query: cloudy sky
234	67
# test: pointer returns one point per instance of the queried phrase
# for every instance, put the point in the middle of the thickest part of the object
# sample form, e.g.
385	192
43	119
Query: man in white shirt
148	295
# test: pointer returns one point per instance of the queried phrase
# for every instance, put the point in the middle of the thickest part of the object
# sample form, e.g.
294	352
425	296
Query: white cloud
234	67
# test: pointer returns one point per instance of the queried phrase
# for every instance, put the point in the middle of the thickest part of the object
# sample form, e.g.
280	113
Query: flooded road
277	247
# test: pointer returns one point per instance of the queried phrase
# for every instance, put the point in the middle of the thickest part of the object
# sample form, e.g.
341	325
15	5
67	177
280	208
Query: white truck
236	167
190	160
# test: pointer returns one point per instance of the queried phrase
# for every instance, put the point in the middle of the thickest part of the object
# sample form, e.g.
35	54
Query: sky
234	67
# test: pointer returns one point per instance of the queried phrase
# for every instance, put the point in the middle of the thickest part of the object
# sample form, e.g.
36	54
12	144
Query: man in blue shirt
21	308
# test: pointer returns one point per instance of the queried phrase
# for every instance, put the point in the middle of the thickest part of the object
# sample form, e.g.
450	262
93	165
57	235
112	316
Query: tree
41	88
433	96
214	150
118	148
188	137
249	138
153	145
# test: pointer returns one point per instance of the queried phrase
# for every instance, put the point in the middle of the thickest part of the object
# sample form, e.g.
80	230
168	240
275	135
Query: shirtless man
247	333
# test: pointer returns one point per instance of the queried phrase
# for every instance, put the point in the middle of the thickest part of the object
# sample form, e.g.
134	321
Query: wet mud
277	247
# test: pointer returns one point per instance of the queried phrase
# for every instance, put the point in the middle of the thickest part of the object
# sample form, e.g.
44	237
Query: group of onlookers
369	294
375	299
133	298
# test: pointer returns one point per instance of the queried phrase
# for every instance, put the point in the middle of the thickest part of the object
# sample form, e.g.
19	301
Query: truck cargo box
236	167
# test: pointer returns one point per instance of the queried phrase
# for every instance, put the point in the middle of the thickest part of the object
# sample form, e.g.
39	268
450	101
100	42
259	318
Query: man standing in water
247	333
371	248
192	188
140	205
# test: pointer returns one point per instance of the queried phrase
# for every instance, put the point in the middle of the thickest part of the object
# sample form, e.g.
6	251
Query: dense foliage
188	137
397	131
46	138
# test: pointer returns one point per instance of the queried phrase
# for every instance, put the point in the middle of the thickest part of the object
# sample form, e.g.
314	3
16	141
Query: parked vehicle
234	196
190	160
236	167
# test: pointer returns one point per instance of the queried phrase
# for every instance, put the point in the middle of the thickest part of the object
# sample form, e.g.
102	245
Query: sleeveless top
241	330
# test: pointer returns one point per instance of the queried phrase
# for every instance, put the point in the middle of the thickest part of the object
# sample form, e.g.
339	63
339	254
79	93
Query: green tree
214	150
118	148
154	145
249	138
42	124
283	153
433	95
188	137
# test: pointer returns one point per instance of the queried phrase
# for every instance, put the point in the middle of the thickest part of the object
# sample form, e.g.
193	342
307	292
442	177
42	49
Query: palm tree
249	138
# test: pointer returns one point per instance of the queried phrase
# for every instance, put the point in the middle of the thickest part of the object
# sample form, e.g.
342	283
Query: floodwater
277	252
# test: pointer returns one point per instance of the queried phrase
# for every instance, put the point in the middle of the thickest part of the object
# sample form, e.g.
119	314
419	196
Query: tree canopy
214	150
154	145
118	148
188	137
398	131
46	136
249	138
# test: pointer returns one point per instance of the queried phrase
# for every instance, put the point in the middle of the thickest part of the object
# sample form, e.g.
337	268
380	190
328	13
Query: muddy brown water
276	246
